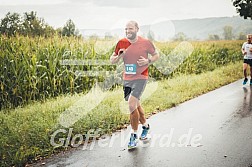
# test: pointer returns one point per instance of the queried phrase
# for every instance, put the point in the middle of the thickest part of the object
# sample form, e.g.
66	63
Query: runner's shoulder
124	40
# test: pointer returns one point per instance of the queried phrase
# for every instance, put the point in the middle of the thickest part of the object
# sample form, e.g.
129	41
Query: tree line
228	34
31	25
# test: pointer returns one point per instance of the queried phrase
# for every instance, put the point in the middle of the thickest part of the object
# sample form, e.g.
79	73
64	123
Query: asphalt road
214	129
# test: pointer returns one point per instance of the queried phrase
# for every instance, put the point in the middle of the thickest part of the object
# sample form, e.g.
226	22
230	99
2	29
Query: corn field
206	56
31	68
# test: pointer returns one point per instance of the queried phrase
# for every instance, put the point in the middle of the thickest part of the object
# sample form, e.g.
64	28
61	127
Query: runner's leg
134	113
141	114
245	66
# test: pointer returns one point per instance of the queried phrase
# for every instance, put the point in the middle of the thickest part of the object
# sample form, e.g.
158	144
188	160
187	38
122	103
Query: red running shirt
142	47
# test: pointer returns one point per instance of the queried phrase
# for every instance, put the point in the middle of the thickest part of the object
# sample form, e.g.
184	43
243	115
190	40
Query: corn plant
31	68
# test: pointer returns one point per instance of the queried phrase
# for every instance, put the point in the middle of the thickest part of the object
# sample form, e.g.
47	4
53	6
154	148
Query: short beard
133	36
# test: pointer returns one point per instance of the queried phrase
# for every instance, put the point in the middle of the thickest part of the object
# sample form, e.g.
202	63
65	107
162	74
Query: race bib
130	68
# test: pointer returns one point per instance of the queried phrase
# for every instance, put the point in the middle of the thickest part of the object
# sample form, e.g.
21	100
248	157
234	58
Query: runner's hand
142	61
121	52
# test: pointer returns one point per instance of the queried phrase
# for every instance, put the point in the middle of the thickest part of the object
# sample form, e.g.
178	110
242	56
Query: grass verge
26	132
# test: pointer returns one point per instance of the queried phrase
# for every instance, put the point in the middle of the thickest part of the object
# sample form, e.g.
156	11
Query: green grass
25	132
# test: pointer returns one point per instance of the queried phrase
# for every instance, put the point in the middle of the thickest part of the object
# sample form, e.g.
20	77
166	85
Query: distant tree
214	37
228	32
180	37
33	26
59	31
49	31
69	29
243	7
11	24
242	36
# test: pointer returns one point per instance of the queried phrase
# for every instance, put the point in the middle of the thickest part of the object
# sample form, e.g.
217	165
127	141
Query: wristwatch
149	60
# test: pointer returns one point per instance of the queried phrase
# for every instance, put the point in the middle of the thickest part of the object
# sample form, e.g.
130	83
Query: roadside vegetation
44	72
36	87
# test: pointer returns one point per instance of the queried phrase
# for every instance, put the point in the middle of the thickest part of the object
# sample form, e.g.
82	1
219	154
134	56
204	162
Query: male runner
134	51
247	52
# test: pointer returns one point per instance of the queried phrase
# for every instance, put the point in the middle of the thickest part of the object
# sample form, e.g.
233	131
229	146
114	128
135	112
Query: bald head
131	30
133	23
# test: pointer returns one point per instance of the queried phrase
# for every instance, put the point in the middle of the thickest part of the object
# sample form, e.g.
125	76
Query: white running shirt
246	46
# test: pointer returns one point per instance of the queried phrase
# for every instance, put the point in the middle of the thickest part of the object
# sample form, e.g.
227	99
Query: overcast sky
88	14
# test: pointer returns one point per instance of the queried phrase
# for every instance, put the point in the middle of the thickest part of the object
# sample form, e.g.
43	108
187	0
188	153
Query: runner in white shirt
247	52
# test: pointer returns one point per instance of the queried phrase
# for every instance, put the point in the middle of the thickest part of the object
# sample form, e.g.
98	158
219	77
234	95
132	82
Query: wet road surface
212	130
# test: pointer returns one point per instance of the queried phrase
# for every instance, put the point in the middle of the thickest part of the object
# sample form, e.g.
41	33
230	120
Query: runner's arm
243	51
154	57
114	58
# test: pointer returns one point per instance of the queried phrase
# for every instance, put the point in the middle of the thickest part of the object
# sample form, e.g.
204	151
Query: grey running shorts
134	88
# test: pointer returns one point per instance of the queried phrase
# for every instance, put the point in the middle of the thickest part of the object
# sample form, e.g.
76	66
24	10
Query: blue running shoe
245	81
250	82
133	141
145	132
